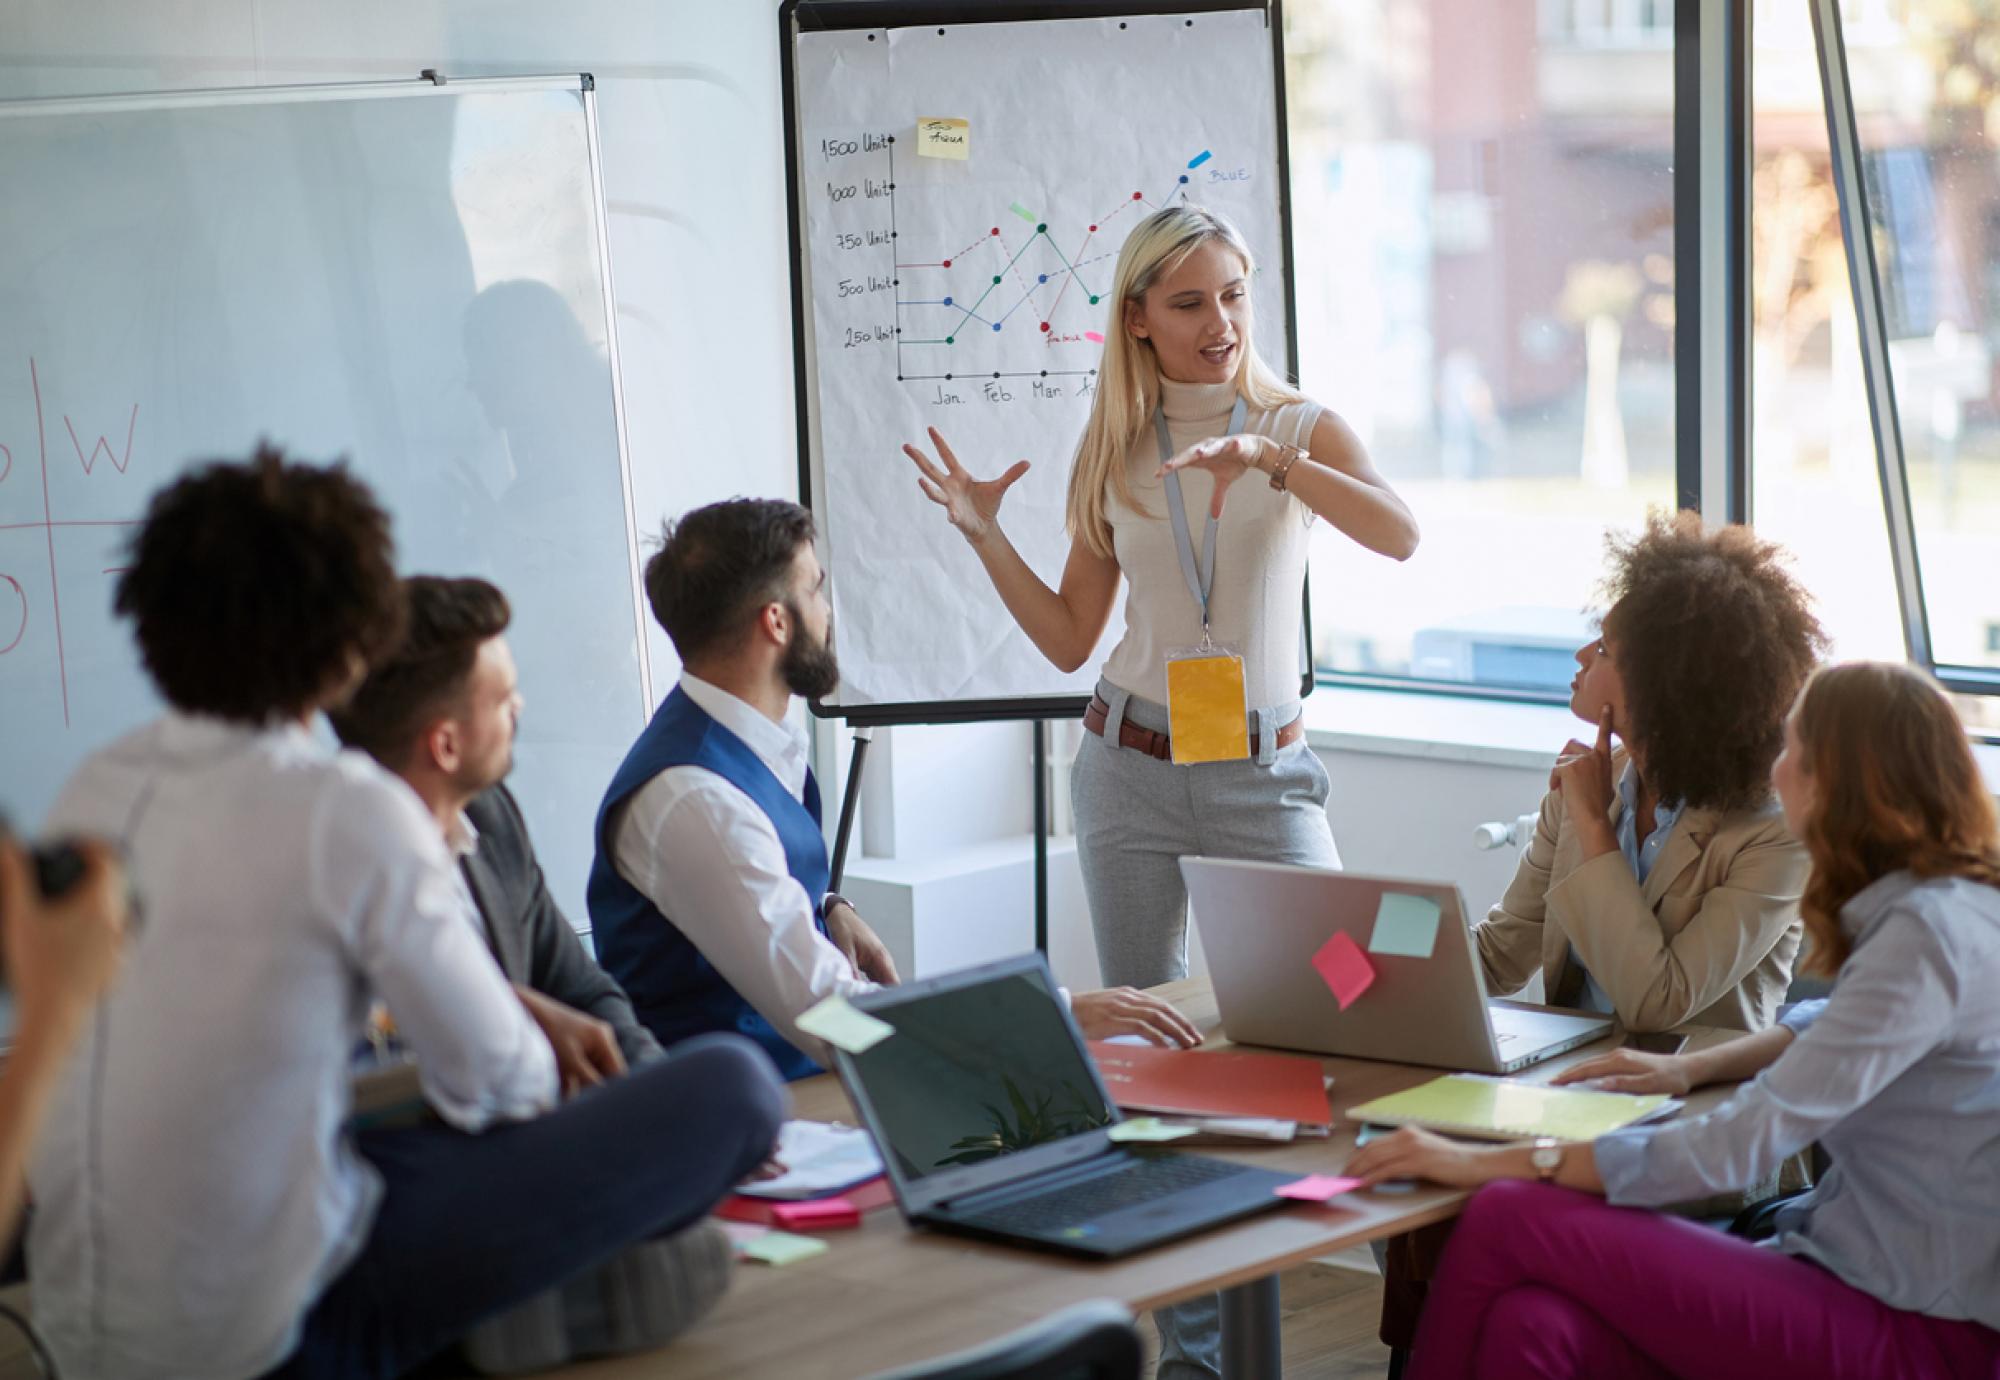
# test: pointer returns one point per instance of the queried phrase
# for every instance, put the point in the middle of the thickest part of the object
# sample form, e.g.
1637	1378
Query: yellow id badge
1208	714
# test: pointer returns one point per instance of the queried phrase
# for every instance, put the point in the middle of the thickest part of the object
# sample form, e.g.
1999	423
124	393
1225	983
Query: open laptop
1261	924
992	1121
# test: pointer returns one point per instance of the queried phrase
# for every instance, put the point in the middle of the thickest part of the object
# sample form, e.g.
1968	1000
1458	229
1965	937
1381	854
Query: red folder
1188	1082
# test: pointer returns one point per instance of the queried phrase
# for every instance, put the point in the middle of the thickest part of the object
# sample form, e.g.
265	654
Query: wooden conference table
888	1296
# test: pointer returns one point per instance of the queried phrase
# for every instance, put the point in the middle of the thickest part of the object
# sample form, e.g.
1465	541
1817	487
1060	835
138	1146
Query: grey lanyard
1200	582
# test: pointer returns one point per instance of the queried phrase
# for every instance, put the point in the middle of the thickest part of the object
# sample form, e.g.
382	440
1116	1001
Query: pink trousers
1545	1282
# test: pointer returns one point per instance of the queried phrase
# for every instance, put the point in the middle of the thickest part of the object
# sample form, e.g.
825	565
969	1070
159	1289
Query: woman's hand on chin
971	505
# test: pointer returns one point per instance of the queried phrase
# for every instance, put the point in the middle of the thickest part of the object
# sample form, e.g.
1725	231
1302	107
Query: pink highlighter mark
1093	337
1344	968
1317	1188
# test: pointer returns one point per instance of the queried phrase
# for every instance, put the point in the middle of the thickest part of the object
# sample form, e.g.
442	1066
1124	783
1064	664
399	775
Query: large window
1483	219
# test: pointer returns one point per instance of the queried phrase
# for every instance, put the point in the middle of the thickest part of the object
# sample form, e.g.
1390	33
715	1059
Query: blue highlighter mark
1200	158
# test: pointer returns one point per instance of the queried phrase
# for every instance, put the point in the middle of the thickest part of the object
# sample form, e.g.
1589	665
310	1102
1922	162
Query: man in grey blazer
440	714
528	932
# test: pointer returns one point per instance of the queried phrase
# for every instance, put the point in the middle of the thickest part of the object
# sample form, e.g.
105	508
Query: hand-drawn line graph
49	524
1011	280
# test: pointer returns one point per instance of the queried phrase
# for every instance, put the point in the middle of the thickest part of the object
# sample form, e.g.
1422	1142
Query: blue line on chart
1199	159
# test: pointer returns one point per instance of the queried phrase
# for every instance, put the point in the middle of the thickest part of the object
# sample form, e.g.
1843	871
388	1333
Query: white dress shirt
195	1191
709	858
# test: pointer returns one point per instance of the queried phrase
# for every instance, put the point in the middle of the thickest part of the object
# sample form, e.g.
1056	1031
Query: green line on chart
1023	212
996	281
1070	266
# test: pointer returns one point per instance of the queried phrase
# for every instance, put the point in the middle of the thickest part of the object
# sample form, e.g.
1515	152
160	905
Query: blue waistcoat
675	990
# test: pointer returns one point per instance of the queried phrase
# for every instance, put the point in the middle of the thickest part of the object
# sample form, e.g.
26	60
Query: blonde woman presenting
1216	570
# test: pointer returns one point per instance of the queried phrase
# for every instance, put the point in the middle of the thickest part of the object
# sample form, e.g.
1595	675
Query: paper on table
819	1157
783	1248
836	1021
1344	968
1317	1188
1405	925
1148	1128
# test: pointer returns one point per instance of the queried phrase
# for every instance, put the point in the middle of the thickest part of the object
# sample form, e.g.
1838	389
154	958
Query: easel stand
850	799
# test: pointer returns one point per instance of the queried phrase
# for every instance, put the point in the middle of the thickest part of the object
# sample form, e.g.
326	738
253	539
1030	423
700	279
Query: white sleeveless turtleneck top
1260	553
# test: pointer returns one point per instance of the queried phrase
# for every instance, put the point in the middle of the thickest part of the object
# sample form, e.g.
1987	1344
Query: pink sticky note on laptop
1316	1188
1344	968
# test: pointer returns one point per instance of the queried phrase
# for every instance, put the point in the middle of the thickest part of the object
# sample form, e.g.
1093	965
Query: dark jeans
472	1224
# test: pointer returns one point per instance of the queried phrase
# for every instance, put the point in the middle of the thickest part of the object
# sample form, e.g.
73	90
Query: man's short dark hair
720	562
252	587
448	621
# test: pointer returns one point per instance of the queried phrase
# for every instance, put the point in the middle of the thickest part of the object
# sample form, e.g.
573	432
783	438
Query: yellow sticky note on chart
837	1021
938	138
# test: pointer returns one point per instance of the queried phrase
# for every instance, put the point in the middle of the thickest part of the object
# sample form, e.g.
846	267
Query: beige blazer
1710	938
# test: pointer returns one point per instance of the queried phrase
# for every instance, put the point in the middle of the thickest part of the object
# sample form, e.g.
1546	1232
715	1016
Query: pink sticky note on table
1344	968
1316	1188
816	1214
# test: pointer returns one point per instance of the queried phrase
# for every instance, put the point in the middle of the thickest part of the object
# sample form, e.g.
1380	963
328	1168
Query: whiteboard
973	295
410	276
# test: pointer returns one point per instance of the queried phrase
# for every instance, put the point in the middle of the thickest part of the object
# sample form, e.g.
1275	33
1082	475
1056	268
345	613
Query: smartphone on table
1656	1042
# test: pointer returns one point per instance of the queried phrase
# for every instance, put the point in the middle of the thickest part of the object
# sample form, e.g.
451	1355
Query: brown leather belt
1158	745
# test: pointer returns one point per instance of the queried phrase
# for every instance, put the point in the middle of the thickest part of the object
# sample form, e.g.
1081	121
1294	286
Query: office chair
1090	1341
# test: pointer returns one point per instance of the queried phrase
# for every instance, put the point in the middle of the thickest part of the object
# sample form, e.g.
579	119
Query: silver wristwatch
1547	1157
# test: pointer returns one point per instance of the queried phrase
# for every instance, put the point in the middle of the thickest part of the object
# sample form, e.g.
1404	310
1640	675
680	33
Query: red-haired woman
1891	1265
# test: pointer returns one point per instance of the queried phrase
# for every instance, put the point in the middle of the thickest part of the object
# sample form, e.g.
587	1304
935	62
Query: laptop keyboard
1155	1176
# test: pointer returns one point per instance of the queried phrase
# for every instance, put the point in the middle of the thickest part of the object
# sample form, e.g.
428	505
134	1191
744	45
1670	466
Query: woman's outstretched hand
970	504
1228	458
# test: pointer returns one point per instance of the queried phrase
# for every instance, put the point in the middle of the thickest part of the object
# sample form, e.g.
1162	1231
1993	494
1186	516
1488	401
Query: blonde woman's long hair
1128	377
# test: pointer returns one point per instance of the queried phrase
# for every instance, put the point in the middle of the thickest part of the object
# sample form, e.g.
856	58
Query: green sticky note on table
1405	925
783	1248
837	1021
1147	1128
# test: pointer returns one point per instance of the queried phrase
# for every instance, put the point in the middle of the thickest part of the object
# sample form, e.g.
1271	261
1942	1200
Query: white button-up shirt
195	1192
710	859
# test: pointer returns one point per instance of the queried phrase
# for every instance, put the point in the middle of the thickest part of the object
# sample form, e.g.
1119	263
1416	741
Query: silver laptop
1262	923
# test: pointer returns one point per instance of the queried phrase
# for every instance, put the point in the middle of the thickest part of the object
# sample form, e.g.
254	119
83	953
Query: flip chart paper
1148	1128
1405	925
1344	968
1317	1188
1087	123
836	1021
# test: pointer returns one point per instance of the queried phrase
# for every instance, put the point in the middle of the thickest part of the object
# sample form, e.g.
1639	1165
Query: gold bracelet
1292	456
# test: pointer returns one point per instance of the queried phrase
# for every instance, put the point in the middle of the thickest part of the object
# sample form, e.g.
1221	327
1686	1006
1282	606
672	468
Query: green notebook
1472	1104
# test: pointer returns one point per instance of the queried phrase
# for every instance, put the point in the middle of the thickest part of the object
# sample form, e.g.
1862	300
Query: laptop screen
976	1072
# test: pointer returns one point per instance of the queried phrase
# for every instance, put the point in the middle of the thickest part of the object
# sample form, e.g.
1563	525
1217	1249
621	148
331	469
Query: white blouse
1256	607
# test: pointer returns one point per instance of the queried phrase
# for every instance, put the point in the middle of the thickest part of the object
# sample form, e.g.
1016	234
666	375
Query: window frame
1865	278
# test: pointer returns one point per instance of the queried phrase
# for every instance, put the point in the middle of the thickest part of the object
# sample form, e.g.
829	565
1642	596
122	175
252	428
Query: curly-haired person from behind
1662	883
202	1205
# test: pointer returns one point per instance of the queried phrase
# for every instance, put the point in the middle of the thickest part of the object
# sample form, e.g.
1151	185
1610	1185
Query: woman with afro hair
1662	884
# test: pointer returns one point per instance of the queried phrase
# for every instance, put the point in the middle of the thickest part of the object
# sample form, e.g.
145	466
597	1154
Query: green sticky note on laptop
1405	925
